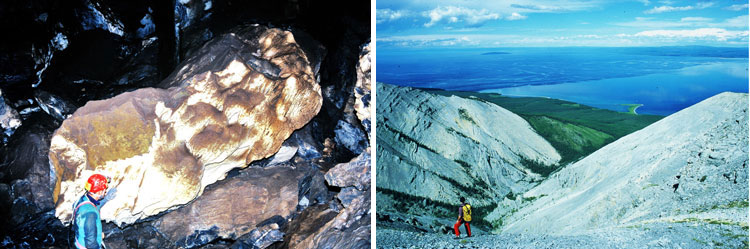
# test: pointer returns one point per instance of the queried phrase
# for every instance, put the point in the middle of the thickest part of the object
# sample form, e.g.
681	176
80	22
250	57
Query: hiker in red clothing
464	216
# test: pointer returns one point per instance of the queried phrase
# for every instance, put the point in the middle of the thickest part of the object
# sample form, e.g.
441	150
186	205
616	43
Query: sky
551	23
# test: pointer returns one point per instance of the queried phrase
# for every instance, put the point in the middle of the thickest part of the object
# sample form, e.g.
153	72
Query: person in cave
87	223
464	216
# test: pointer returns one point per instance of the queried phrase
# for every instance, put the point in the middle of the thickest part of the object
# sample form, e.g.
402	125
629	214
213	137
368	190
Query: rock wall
350	227
234	207
233	102
439	148
26	168
362	88
345	221
9	120
690	166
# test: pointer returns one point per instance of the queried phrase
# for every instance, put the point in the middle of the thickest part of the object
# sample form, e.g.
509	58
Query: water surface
664	79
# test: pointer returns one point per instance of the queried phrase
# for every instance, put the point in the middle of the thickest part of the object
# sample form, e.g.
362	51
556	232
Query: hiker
87	224
464	216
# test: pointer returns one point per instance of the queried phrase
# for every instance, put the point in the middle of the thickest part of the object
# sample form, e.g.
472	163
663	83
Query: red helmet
96	183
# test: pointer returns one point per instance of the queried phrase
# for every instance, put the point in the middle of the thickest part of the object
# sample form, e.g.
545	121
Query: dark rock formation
351	137
350	228
261	237
234	207
363	88
9	120
26	170
355	173
53	105
84	50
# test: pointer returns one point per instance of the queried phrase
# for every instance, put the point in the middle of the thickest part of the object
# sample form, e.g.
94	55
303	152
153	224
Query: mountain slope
436	148
688	167
574	130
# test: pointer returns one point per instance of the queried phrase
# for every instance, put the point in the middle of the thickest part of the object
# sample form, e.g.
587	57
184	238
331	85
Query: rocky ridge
441	145
689	167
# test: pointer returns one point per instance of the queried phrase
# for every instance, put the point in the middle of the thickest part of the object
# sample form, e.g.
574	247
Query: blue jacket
87	224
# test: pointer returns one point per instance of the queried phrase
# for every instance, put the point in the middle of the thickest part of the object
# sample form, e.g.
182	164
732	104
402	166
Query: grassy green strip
537	167
464	114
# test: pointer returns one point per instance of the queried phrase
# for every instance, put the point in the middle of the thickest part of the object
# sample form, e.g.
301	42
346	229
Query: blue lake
663	80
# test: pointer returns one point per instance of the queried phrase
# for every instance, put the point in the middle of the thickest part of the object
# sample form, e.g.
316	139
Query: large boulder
233	102
235	206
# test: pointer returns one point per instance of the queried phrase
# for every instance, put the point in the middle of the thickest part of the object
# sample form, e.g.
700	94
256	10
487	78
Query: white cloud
648	22
737	7
428	41
661	9
696	19
686	22
539	8
453	14
515	16
665	8
737	22
387	15
500	7
705	33
590	36
647	38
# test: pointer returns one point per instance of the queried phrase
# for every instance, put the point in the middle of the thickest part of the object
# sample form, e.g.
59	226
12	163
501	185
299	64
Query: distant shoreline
632	108
494	53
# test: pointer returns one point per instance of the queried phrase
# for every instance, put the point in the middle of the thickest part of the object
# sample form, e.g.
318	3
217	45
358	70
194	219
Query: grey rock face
350	227
260	238
690	167
25	166
363	88
355	173
9	119
312	189
307	148
55	106
440	148
350	137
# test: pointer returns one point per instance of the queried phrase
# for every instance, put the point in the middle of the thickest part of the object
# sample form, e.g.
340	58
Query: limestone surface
232	102
439	148
688	168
